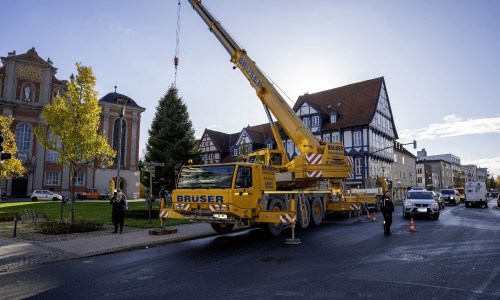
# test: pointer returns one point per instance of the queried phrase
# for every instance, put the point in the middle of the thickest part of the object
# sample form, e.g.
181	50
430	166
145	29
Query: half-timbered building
360	116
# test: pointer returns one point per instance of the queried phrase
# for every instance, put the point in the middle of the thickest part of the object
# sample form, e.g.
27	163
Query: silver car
420	203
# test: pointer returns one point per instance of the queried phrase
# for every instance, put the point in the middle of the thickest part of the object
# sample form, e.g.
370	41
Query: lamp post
121	103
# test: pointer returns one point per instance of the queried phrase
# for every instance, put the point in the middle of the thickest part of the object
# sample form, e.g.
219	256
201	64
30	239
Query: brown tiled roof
356	103
223	141
260	133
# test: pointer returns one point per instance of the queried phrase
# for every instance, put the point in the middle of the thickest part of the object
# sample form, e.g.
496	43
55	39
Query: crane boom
305	141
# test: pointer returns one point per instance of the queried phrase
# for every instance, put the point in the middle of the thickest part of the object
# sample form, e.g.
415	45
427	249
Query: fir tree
171	140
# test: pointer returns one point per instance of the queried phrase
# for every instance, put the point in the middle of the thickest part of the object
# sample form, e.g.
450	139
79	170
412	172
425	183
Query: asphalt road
455	257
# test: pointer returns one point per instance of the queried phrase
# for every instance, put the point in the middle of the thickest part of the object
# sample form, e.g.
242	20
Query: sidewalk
17	253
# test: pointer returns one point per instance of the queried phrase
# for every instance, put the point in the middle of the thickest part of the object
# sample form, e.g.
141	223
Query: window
236	151
333	118
270	146
210	156
315	121
326	137
358	166
80	179
52	178
335	137
52	156
23	139
419	179
358	141
307	122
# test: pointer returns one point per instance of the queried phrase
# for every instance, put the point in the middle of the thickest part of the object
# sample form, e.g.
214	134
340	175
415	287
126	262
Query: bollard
15	225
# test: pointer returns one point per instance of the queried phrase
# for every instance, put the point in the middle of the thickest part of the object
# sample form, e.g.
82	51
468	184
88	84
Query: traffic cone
374	219
368	215
412	226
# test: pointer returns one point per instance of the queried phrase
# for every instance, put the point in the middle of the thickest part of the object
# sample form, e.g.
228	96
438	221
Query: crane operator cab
266	157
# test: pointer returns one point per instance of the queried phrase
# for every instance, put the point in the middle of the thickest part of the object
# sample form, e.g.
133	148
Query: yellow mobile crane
268	189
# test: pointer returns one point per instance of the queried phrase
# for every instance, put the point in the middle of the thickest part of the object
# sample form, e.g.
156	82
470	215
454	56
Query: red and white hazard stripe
350	160
313	159
218	207
163	214
313	174
288	218
181	206
354	206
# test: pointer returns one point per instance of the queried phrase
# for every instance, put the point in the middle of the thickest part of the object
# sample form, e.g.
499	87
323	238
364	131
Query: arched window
23	139
116	133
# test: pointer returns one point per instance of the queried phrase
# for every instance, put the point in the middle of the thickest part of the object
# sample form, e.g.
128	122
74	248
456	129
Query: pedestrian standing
118	211
387	209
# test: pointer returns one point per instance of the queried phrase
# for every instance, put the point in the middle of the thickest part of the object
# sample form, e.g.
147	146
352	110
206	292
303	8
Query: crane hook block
176	61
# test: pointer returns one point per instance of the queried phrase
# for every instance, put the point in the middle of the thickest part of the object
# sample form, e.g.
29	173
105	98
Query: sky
439	59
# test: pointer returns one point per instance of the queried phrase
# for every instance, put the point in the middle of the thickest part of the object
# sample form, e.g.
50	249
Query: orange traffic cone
412	226
374	219
368	215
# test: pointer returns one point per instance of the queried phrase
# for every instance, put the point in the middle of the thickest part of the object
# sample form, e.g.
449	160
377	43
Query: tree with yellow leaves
9	168
70	127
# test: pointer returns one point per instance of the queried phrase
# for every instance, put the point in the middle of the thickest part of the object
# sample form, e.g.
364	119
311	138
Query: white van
475	194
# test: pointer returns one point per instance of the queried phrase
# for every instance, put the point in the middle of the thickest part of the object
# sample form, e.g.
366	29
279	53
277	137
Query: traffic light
3	155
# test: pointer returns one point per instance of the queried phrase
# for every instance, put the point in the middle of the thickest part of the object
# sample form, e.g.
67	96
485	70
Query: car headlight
451	197
408	203
434	204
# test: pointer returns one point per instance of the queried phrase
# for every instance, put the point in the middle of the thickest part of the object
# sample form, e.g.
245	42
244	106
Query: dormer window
307	122
315	121
333	118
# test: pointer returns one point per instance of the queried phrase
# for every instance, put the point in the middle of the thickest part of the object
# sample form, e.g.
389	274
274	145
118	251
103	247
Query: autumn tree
70	127
171	140
13	167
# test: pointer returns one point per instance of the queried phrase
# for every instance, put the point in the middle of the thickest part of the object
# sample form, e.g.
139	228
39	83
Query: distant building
424	176
403	172
441	171
27	83
452	159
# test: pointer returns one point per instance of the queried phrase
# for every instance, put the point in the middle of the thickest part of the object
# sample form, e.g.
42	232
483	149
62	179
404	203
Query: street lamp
121	103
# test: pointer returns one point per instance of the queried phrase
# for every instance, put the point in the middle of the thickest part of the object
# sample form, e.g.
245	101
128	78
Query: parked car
494	194
420	203
45	195
451	196
439	199
498	201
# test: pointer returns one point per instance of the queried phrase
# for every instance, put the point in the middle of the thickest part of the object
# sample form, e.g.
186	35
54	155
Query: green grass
97	211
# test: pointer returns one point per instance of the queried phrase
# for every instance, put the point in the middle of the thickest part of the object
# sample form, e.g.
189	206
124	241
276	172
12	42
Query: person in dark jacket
387	209
118	211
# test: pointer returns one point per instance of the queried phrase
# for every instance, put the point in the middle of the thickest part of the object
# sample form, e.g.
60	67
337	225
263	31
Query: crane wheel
274	229
304	214
222	227
317	211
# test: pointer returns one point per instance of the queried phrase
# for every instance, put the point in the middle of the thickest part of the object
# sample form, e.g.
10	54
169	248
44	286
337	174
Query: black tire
304	214
317	211
222	227
274	229
435	216
34	199
405	215
54	199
